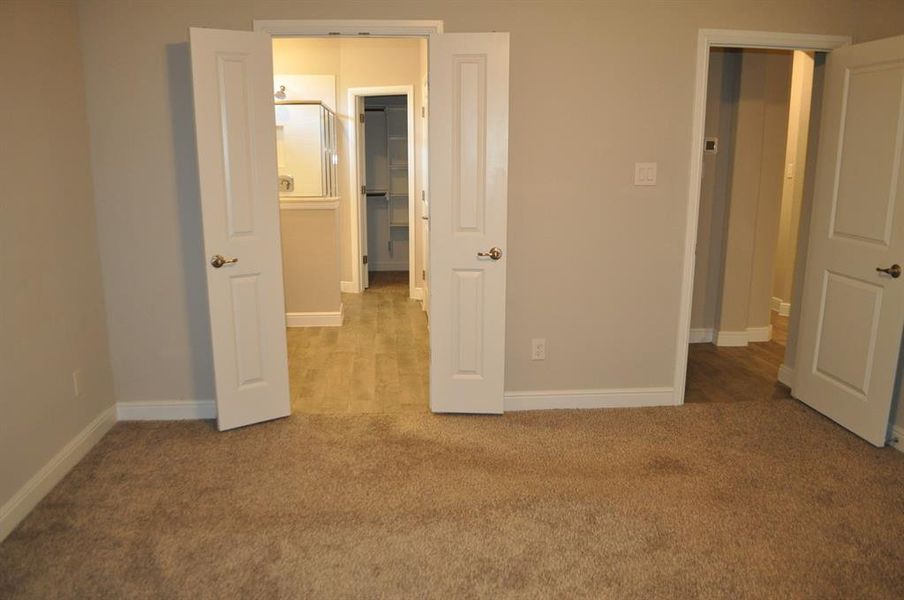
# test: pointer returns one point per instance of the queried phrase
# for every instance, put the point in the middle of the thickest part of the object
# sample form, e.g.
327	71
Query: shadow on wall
191	233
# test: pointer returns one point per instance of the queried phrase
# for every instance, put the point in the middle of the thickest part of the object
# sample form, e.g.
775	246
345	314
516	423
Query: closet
386	177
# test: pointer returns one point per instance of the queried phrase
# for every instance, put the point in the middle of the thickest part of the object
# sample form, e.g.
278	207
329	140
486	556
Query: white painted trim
601	398
395	265
896	442
786	375
351	147
701	335
357	27
759	334
28	496
348	287
731	338
782	308
316	319
417	294
166	410
707	39
308	204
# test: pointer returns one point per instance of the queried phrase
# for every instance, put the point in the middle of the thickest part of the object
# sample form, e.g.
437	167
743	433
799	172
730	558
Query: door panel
852	315
468	191
236	137
872	120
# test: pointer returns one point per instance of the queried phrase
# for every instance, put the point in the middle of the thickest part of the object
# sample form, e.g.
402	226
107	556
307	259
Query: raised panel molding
235	120
844	350
245	290
467	327
469	143
868	127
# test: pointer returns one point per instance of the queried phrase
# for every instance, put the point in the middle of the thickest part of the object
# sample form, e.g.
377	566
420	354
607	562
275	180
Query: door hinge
365	259
423	111
361	118
363	189
424	274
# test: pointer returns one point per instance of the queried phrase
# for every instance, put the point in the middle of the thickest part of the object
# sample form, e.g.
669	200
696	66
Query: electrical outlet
538	349
77	386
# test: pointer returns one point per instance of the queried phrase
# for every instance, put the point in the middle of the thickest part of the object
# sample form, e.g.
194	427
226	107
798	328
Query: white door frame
354	182
707	39
365	28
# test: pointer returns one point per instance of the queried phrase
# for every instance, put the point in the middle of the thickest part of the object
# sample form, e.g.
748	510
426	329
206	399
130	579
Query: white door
361	145
469	77
852	314
236	137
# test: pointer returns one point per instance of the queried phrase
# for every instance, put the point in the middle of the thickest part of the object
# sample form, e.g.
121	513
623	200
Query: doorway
234	91
758	116
357	339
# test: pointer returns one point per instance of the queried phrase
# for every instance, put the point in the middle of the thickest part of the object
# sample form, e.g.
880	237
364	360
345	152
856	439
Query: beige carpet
751	499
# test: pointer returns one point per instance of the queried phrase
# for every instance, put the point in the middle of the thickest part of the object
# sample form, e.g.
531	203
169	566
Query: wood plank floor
377	362
747	373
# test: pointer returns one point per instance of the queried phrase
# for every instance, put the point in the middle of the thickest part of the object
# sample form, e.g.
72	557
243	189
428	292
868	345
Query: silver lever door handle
894	270
218	260
495	253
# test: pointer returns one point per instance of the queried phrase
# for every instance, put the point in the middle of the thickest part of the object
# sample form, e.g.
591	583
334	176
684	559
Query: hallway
727	374
377	362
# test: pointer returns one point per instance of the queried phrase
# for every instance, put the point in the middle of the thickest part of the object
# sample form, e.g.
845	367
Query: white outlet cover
645	173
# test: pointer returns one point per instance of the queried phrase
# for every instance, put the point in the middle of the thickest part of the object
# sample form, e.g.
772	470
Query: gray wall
748	96
52	317
594	263
715	189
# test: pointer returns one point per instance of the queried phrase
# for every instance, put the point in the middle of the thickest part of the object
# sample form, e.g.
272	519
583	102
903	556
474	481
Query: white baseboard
316	319
417	294
166	410
742	338
702	335
602	398
896	442
782	308
731	338
28	496
401	265
759	334
785	375
348	287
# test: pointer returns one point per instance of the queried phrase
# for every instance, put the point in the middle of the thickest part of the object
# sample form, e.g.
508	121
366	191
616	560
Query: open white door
469	77
236	137
853	313
361	145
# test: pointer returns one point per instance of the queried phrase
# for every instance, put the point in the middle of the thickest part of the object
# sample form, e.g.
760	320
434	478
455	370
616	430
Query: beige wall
52	318
755	197
600	280
310	246
358	63
721	111
793	184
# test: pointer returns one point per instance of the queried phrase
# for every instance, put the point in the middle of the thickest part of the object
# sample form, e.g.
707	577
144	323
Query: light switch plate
645	173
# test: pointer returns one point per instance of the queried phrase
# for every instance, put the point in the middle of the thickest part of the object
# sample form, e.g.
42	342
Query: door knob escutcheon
218	260
894	270
495	253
